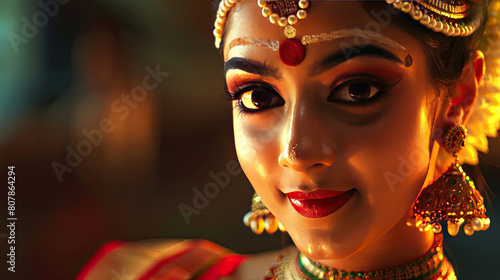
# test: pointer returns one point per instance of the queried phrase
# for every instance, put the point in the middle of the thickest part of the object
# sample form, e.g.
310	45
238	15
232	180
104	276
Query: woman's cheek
251	148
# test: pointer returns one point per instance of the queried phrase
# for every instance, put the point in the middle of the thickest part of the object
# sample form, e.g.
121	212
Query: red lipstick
318	203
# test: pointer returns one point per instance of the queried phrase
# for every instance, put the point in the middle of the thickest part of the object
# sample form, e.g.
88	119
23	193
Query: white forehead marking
354	33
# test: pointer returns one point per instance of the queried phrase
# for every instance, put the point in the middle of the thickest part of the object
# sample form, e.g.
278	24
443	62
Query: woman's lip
319	203
317	194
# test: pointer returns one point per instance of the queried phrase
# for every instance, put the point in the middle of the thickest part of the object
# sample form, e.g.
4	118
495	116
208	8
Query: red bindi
292	52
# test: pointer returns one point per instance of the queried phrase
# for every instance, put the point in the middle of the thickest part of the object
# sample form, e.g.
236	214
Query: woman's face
351	120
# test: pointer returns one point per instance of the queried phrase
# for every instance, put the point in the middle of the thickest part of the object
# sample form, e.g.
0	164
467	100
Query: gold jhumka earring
260	218
453	198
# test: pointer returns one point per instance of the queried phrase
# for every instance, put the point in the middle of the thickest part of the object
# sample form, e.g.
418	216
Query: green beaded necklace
432	265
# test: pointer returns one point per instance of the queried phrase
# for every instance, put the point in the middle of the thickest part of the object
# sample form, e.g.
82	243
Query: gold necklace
432	265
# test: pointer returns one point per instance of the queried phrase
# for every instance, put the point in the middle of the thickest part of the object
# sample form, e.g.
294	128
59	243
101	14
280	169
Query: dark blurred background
66	73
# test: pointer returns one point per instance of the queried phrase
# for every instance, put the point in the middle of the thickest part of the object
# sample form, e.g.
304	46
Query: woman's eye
259	99
354	91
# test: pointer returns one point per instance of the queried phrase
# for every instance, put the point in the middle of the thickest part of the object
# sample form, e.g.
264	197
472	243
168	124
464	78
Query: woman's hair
447	55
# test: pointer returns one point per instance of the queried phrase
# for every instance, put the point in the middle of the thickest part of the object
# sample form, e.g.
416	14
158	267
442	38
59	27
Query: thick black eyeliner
240	90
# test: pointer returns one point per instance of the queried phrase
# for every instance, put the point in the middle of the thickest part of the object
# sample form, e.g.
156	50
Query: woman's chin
326	244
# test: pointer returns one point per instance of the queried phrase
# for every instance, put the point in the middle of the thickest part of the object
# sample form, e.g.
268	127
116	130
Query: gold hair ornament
224	8
283	13
451	17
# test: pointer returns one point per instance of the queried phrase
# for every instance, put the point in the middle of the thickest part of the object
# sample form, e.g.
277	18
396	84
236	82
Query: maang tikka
260	218
280	12
452	198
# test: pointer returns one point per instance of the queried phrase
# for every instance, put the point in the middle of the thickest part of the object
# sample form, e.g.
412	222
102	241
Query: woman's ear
458	110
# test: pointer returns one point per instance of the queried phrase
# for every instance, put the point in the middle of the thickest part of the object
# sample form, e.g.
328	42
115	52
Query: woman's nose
307	142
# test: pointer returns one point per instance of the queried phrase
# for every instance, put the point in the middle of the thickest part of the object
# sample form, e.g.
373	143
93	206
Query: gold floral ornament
485	117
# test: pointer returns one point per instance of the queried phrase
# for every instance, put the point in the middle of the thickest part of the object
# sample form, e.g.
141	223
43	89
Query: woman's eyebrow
349	52
251	66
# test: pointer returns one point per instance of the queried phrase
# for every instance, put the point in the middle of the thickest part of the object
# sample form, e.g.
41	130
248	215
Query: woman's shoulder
175	258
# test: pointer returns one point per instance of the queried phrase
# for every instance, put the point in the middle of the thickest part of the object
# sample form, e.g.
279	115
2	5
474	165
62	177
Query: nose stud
292	158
